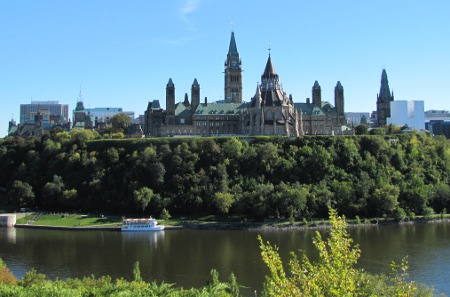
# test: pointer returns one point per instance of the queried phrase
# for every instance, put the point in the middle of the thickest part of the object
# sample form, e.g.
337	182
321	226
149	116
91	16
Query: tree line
253	178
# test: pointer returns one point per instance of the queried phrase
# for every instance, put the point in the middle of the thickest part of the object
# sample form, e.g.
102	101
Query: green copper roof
182	110
216	108
311	109
233	48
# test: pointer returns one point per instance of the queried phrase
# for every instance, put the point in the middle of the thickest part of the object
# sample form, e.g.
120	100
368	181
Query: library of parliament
270	111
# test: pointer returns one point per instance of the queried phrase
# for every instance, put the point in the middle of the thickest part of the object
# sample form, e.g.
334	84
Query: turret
170	98
195	95
339	101
317	94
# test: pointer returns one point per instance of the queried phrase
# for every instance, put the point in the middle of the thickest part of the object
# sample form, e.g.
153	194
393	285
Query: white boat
141	225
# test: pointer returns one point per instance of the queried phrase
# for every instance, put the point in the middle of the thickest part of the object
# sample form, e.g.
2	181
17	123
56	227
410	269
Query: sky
122	53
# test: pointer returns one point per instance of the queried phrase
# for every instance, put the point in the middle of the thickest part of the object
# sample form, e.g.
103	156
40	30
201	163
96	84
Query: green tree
384	199
223	201
142	197
21	194
83	135
361	130
120	122
334	274
136	272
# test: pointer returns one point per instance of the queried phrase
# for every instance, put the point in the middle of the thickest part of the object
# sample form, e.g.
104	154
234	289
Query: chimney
206	101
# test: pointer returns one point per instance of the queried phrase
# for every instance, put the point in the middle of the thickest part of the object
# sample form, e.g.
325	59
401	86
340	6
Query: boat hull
132	229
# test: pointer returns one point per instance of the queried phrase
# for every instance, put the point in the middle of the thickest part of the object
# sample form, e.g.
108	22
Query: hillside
255	178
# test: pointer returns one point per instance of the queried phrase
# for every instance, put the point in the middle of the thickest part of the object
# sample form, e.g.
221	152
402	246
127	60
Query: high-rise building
58	112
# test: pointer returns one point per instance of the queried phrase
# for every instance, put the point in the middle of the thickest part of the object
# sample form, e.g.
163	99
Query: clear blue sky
122	53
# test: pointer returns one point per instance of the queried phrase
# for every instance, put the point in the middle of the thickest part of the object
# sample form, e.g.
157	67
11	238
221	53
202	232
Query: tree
361	129
223	201
6	277
142	197
120	122
21	194
83	135
334	274
384	199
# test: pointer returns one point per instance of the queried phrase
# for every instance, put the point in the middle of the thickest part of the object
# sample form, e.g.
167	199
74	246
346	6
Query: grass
79	220
72	220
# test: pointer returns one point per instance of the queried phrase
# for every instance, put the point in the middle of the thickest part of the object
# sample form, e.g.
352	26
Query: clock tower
233	74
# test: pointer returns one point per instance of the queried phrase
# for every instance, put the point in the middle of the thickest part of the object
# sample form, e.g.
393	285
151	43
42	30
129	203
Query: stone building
270	111
384	99
233	74
321	117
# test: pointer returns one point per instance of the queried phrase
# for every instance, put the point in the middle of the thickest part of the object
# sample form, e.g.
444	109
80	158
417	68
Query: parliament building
270	111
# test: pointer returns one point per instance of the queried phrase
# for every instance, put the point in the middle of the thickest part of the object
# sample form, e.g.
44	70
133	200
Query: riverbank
82	222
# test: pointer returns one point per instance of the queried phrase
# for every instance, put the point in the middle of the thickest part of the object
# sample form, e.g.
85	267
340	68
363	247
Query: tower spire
232	50
233	74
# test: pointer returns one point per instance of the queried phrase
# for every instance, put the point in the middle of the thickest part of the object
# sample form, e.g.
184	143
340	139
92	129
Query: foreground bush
334	274
35	284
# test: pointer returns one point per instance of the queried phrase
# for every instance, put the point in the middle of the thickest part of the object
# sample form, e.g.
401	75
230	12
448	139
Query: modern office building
410	113
57	112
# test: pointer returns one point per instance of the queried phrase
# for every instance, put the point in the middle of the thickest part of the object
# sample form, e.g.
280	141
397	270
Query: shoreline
249	226
87	228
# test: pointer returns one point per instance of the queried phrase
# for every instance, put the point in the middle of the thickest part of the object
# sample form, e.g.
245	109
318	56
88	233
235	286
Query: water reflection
11	235
152	237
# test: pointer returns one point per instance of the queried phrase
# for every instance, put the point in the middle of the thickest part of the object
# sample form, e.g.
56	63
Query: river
185	257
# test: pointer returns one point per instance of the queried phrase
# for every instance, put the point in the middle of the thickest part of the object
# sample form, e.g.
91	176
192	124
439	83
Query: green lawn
73	220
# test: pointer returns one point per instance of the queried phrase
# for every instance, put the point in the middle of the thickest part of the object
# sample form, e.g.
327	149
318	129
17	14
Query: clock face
233	64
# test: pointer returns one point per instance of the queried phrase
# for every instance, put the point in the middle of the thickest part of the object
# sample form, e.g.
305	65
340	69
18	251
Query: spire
170	83
80	98
232	50
269	71
339	86
316	85
385	93
195	83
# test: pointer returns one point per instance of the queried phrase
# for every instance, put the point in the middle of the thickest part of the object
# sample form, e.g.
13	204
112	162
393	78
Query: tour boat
141	225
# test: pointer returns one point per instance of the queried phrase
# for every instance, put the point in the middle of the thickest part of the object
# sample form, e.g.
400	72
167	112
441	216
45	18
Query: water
185	257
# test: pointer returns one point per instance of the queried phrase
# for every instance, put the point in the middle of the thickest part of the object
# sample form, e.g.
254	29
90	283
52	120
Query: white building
437	115
409	113
104	114
354	118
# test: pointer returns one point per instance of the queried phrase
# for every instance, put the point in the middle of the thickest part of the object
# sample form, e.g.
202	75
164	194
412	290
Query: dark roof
385	93
339	86
195	83
316	85
170	83
154	104
269	71
232	50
